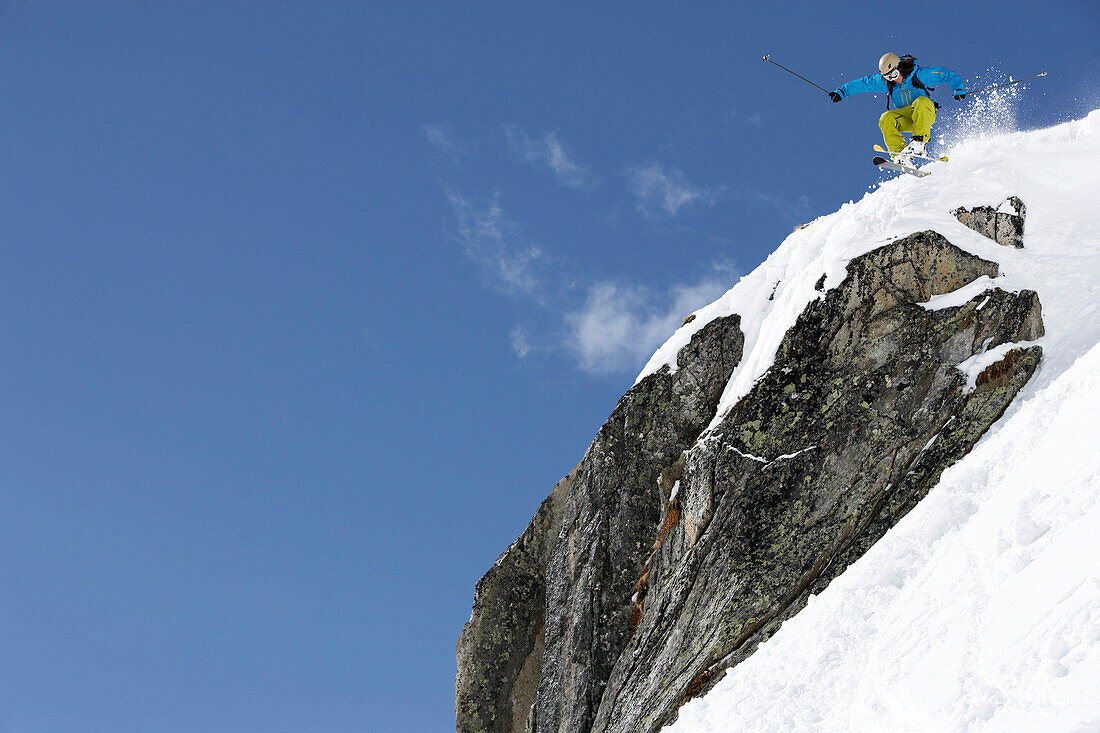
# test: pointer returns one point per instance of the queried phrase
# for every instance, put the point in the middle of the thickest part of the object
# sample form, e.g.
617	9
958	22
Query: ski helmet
888	63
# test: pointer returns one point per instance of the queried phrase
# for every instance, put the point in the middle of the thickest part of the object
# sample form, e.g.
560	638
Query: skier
907	86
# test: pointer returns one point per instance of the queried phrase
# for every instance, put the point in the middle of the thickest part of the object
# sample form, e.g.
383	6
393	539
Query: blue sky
306	306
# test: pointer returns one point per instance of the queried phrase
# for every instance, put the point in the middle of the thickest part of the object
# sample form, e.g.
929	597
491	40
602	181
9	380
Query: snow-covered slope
981	609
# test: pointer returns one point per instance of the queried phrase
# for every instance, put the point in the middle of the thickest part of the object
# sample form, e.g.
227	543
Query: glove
835	96
959	96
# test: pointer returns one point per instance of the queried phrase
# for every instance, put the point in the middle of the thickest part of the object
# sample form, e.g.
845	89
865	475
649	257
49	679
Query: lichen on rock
672	553
861	412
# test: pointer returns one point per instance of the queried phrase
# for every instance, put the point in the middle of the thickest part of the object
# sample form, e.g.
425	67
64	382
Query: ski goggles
891	75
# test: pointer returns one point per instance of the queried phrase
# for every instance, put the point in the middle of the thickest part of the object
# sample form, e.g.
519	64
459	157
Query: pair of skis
882	162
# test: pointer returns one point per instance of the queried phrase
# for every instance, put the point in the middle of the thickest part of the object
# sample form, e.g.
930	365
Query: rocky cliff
581	554
684	538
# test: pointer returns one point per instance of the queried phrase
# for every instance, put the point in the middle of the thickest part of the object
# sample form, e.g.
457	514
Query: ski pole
768	59
1019	81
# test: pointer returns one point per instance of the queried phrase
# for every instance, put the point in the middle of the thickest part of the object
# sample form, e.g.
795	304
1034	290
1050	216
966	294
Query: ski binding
942	159
886	163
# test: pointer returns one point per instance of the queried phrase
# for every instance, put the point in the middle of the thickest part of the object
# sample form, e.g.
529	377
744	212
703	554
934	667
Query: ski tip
879	160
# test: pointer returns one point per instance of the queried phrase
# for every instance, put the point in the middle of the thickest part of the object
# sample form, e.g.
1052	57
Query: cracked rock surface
861	412
668	555
581	553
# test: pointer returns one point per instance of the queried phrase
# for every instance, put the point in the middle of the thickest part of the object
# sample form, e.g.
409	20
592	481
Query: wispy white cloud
618	324
441	137
621	325
495	244
548	151
521	342
659	189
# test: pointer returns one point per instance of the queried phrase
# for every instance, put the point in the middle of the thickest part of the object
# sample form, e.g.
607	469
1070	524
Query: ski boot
914	148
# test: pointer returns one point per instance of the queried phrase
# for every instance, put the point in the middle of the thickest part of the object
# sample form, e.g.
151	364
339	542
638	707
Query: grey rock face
609	519
1002	227
851	427
500	649
667	556
581	553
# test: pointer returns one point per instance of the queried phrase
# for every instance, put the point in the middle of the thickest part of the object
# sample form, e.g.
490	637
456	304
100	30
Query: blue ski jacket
905	91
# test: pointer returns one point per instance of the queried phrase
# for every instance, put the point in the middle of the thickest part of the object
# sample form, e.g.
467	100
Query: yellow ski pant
917	119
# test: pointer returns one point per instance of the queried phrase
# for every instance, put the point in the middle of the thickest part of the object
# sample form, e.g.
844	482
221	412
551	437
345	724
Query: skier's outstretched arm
871	83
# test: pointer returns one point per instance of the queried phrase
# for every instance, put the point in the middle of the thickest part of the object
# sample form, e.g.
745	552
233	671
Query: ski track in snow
980	610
